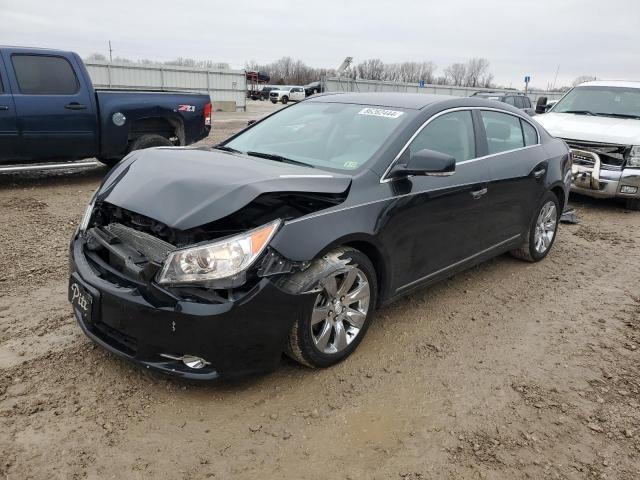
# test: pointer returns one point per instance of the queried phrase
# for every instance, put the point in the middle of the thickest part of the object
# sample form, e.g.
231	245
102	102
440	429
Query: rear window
503	131
519	103
44	75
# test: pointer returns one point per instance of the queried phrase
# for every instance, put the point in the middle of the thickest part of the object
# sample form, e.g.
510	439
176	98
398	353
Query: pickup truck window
519	103
601	100
527	102
44	75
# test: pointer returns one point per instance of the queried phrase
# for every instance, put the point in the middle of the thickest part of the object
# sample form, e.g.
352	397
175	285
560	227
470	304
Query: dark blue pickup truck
49	111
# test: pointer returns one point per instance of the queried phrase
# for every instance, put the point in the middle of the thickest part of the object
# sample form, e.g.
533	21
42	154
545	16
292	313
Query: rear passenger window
519	103
44	75
530	134
451	133
527	102
503	131
509	101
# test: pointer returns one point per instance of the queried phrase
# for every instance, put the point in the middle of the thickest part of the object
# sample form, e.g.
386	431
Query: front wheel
542	230
633	204
341	314
285	100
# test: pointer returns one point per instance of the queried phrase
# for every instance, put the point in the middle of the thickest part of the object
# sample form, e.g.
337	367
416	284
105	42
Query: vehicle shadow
42	178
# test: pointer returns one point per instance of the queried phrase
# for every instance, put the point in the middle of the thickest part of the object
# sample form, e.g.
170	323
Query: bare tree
96	57
582	79
456	73
371	69
476	69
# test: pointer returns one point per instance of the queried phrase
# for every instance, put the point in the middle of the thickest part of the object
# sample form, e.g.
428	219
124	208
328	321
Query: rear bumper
235	337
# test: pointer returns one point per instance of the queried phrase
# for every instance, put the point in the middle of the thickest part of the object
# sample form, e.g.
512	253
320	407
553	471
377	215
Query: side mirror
541	105
425	162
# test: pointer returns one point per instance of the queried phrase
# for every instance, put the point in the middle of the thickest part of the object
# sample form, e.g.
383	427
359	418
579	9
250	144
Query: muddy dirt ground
510	370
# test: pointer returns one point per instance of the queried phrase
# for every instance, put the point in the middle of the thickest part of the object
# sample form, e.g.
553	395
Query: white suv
287	94
600	121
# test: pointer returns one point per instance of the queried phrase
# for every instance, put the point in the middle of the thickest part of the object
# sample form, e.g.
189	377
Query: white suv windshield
606	101
326	135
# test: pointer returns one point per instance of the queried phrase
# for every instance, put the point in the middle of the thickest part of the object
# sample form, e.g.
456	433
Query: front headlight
222	259
84	223
633	159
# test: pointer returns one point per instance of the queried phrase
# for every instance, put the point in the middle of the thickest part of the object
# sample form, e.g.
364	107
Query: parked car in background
276	242
264	93
516	99
313	88
600	121
287	94
49	111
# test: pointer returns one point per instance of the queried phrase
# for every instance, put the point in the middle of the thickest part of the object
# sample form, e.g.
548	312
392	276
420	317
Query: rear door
53	106
9	138
439	222
517	166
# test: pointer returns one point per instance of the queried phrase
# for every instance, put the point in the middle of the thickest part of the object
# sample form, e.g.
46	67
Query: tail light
207	114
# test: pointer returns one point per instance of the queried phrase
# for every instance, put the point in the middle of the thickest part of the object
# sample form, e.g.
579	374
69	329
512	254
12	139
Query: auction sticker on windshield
380	112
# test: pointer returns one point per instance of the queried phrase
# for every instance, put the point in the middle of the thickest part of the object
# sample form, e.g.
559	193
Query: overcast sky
583	37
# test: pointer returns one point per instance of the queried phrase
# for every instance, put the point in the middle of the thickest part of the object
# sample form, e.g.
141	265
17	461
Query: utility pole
554	80
110	53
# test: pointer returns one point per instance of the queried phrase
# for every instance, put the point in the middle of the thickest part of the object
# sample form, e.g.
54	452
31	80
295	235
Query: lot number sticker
380	112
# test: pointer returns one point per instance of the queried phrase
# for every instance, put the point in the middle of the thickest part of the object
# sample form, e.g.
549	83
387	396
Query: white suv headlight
633	160
222	259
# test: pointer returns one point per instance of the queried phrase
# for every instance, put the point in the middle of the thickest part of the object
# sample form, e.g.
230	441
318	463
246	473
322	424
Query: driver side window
451	133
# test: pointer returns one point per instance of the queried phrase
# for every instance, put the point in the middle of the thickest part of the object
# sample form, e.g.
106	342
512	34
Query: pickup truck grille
611	155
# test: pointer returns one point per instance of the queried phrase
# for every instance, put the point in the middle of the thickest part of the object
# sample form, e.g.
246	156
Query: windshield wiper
278	158
620	115
581	112
224	148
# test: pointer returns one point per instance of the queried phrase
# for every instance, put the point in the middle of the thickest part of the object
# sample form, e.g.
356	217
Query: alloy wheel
545	227
340	310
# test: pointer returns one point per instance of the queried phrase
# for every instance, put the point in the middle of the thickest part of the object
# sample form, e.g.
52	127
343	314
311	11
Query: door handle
75	106
4	107
476	194
540	172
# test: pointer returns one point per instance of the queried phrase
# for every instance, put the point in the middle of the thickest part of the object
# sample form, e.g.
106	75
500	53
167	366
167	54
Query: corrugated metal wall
222	85
350	85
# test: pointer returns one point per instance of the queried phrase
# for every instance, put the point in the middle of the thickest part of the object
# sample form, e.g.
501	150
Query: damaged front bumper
153	328
595	180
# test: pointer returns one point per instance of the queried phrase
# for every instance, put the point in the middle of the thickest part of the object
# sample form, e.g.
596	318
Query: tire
285	99
148	141
530	249
633	204
111	161
274	101
303	345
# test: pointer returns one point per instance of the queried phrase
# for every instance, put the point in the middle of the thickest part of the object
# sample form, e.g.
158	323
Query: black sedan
289	235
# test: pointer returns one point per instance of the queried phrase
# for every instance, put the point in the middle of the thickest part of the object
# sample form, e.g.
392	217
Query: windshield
592	100
326	135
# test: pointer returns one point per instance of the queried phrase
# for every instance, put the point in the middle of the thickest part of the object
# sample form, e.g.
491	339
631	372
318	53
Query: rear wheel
148	141
542	230
341	315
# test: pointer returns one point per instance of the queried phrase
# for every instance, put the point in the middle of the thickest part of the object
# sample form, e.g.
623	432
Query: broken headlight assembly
223	259
633	158
84	223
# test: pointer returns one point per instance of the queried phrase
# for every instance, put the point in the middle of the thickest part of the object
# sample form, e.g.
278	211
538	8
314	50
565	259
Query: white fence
336	84
221	85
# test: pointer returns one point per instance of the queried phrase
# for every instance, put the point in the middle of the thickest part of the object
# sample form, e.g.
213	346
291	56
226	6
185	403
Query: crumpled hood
185	188
623	131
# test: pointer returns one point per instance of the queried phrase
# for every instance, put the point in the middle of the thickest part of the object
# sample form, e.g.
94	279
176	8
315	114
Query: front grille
151	247
611	155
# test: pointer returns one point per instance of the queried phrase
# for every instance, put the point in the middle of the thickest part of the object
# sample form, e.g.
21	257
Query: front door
54	108
9	138
437	223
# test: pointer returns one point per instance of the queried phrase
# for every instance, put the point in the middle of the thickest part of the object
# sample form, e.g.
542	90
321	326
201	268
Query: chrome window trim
383	178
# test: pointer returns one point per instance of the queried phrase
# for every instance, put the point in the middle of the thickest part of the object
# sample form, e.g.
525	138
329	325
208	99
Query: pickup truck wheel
285	100
542	230
274	101
340	316
633	204
148	141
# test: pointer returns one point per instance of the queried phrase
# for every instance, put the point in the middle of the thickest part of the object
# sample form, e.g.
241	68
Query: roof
612	83
414	101
498	93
